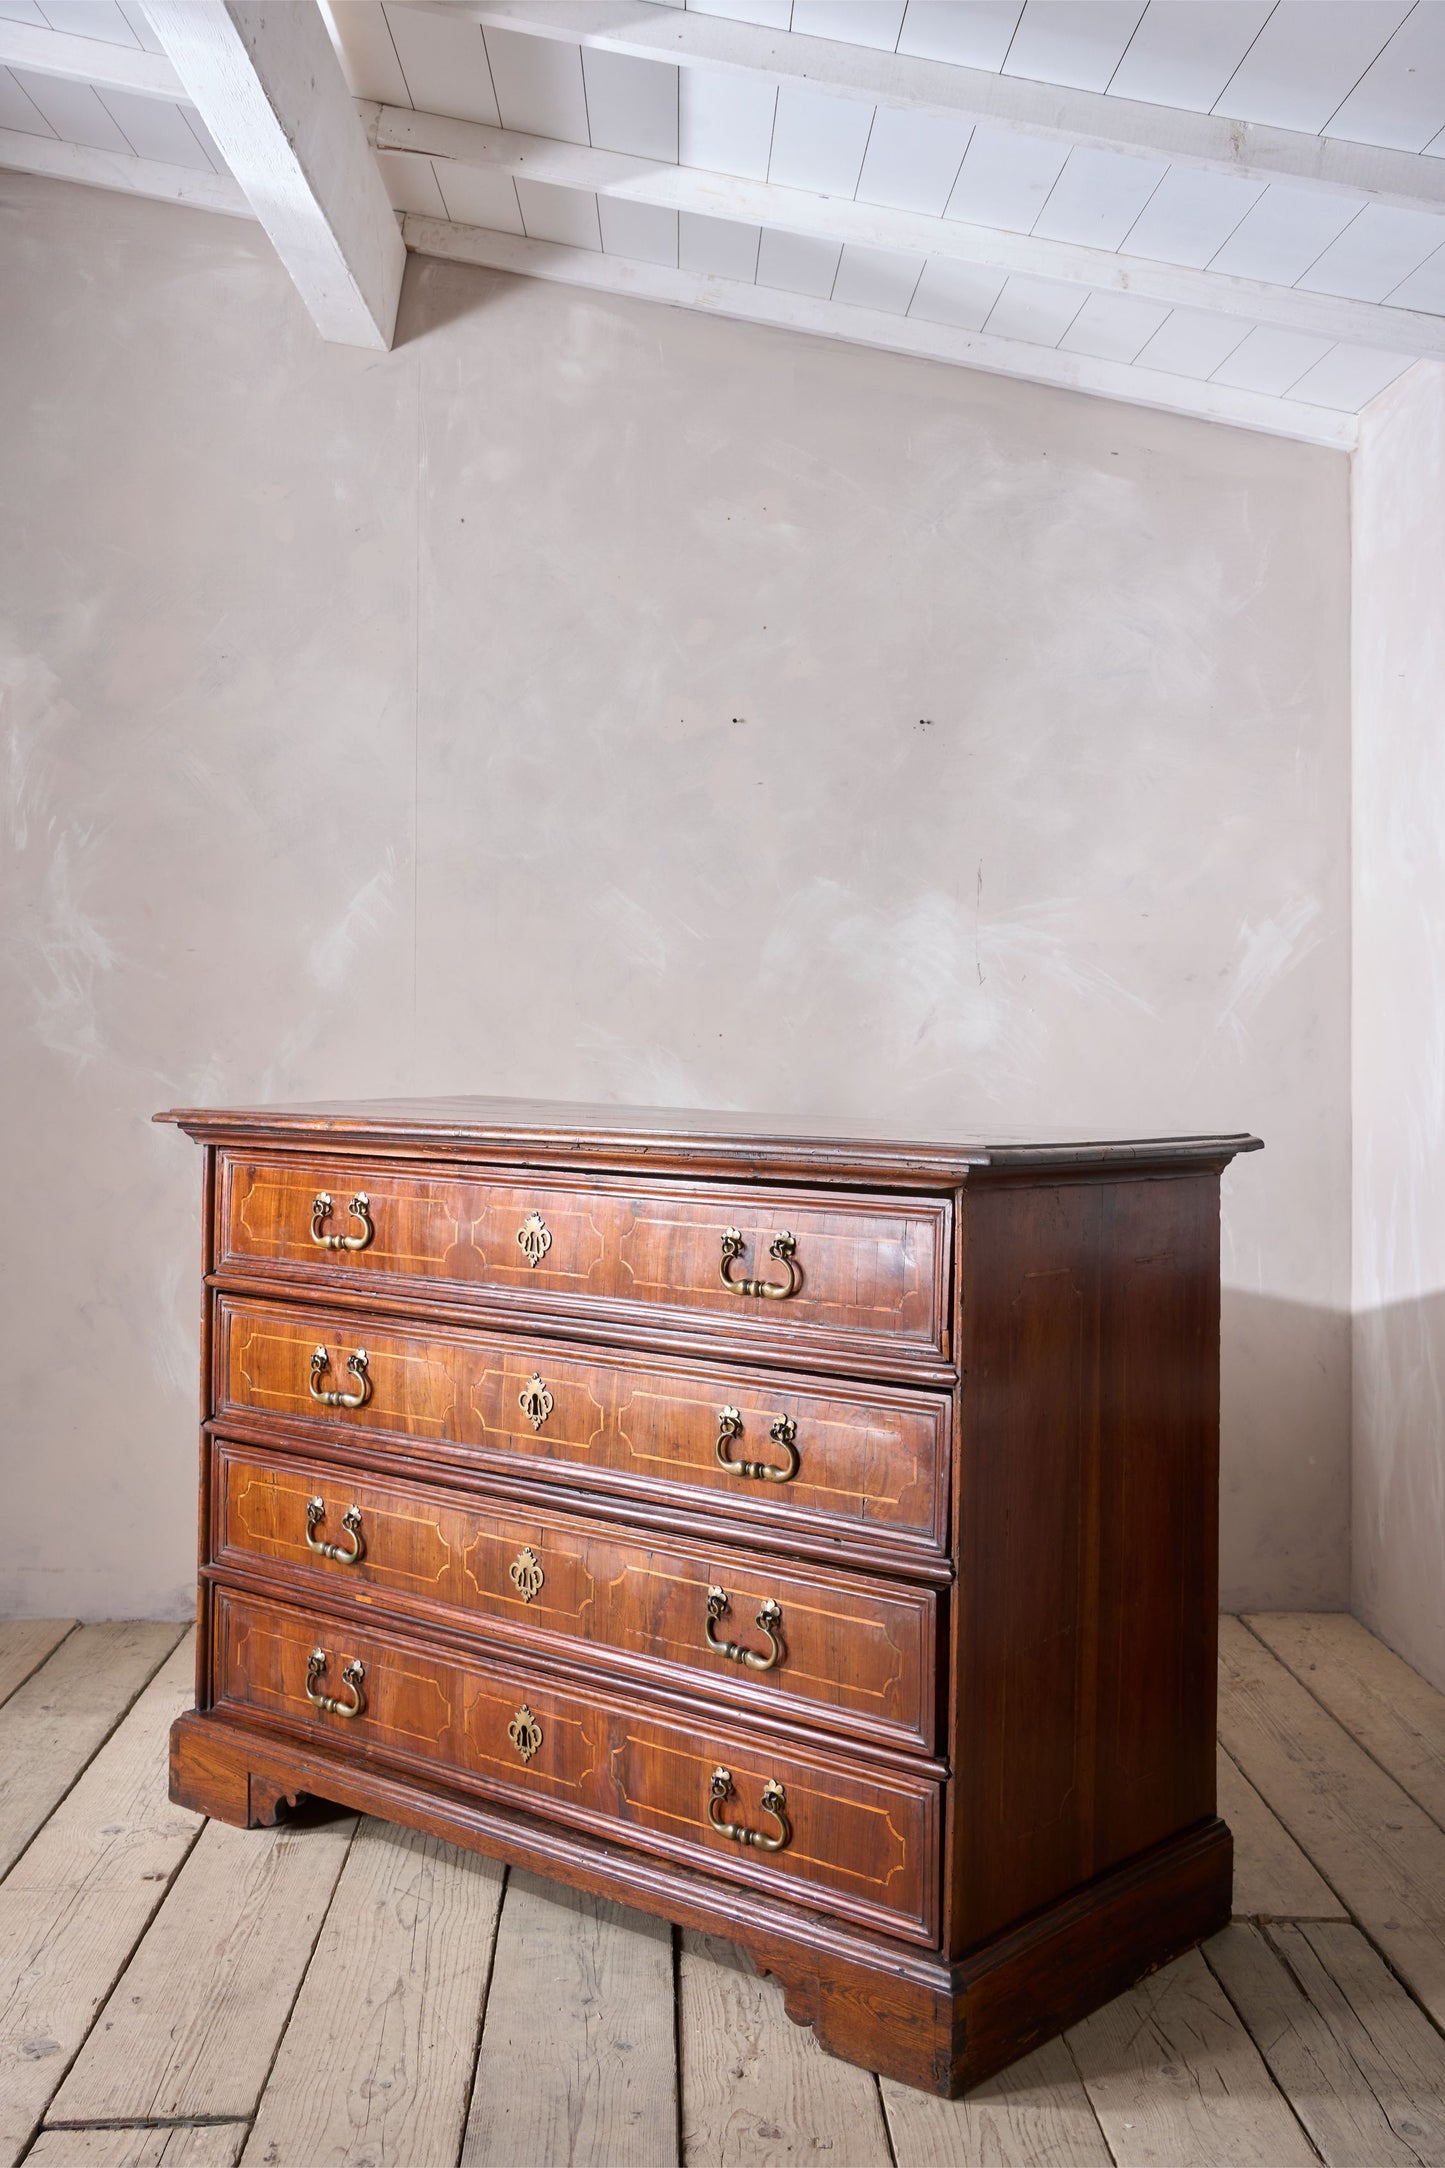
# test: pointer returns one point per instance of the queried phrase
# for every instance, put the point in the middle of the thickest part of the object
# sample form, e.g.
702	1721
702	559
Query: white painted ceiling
1366	72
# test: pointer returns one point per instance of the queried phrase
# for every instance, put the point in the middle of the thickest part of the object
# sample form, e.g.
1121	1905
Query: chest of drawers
810	1538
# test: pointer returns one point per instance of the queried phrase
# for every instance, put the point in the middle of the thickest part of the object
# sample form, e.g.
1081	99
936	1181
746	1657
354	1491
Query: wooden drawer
859	1845
871	1272
842	1651
863	1458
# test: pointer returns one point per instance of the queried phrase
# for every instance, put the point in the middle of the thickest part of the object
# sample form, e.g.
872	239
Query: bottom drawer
862	1846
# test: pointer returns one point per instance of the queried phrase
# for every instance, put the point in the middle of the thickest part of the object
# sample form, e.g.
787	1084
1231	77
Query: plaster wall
595	700
1399	1022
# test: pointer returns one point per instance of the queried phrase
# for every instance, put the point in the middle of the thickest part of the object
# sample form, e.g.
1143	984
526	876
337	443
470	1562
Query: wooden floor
348	1996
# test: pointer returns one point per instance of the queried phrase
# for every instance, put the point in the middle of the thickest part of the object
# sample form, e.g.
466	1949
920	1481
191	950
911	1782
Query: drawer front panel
840	1650
873	1271
860	1846
857	1455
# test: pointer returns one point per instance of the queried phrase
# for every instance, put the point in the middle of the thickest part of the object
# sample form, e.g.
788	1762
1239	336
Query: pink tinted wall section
593	699
1399	1021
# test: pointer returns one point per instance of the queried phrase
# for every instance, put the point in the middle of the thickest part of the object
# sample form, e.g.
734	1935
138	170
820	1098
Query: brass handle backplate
781	1248
359	1209
357	1364
351	1677
783	1432
770	1620
774	1801
344	1554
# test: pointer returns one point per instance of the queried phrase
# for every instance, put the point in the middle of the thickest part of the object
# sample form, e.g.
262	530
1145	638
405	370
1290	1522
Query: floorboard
24	1645
1176	2081
52	1725
75	1904
1035	2115
578	2061
376	2064
1359	2063
757	2090
1381	1852
195	2020
339	1994
1272	1877
1392	1712
207	2145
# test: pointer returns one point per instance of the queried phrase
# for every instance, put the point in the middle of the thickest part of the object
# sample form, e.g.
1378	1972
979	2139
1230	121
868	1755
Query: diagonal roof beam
1204	140
268	85
910	233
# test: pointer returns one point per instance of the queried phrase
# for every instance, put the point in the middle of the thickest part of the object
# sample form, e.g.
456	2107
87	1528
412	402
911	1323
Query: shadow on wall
1284	1377
435	293
1398	1492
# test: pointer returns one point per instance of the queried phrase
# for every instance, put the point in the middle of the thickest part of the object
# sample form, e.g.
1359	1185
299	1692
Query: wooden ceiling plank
913	161
718	247
839	220
1400	99
539	86
153	129
1113	327
1307	59
1193	344
443	58
1076	42
1271	361
818	143
268	85
73	110
1184	51
906	80
870	327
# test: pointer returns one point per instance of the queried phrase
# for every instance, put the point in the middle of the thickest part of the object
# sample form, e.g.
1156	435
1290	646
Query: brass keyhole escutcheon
534	1238
526	1572
535	1401
525	1733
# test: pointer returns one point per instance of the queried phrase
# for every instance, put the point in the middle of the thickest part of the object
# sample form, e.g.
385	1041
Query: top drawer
763	1262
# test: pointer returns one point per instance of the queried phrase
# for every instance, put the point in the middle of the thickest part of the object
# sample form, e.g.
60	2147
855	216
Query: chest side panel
1087	1504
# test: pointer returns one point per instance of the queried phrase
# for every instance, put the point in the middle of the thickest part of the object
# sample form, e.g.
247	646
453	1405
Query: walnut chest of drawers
810	1538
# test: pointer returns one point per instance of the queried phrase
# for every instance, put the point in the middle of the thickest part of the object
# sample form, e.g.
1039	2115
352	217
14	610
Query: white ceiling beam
87	60
870	327
911	233
118	170
266	81
1204	140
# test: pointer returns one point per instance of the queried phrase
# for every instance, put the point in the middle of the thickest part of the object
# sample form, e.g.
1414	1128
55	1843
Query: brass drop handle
359	1209
770	1619
357	1364
774	1801
345	1555
783	1432
781	1247
351	1677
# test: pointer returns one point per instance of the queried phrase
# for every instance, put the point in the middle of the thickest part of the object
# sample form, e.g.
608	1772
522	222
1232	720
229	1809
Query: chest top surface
700	1141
